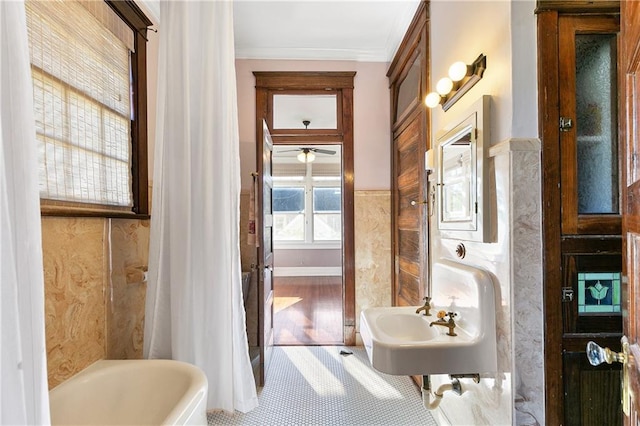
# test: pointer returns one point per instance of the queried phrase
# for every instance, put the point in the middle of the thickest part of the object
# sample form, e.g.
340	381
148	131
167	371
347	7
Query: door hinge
565	124
567	294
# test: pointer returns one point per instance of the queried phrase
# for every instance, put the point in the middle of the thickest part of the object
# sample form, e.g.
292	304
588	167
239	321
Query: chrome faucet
450	324
426	307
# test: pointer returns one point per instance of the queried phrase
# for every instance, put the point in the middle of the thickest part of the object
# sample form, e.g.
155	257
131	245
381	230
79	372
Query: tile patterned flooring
315	385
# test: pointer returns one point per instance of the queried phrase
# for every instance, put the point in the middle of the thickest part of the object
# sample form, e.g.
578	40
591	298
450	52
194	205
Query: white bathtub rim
194	396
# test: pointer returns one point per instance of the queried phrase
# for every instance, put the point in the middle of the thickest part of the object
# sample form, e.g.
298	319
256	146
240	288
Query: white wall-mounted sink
399	341
404	325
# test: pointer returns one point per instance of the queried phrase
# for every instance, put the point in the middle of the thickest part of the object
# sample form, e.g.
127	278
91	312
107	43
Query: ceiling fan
307	155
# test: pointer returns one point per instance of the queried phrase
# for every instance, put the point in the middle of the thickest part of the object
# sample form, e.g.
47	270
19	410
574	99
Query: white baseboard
307	271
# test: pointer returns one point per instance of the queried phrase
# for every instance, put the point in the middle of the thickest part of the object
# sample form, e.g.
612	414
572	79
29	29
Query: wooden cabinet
578	50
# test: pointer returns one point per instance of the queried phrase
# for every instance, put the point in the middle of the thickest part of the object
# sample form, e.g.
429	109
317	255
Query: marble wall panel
75	263
528	339
372	211
129	248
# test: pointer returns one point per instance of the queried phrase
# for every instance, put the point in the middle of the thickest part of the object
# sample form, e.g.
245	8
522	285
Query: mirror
462	186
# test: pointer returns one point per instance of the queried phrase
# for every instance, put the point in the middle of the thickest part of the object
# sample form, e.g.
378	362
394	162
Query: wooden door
409	214
409	222
630	17
265	253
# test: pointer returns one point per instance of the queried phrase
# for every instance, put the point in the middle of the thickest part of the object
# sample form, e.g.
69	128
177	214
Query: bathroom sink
404	326
399	341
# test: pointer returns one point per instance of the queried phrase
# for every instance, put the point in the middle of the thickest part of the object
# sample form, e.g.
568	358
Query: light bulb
444	86
457	71
306	156
432	100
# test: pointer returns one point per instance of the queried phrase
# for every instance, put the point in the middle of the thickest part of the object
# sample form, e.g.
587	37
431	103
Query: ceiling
366	31
356	30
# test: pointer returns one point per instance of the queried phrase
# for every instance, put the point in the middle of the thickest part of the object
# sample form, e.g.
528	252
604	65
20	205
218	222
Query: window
327	217
89	83
307	203
288	213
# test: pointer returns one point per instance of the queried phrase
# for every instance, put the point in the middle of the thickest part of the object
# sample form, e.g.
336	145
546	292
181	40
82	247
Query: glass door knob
597	355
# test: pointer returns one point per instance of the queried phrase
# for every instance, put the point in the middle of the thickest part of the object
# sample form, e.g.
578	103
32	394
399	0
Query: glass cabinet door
589	128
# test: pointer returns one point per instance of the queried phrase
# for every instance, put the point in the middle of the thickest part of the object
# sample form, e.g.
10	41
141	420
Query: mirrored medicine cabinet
463	193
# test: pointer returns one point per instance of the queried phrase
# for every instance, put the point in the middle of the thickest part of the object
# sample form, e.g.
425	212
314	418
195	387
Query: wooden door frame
268	83
630	52
548	113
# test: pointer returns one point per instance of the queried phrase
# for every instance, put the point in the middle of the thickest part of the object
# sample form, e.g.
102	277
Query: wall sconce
462	77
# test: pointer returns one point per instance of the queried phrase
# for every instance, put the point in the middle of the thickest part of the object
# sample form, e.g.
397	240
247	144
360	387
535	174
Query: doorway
307	238
302	89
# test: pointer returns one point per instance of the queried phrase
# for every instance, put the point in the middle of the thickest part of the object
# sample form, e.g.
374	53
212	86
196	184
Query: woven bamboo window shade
80	62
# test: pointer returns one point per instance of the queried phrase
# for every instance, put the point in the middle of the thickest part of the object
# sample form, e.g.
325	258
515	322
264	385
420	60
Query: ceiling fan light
306	157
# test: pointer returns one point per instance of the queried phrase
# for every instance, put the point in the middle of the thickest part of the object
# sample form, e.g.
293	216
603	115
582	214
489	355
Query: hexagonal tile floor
316	385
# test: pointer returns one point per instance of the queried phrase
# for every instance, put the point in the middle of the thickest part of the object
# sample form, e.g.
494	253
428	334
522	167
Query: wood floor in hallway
308	311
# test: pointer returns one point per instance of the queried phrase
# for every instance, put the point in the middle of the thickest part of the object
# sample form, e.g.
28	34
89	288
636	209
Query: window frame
135	18
324	185
308	184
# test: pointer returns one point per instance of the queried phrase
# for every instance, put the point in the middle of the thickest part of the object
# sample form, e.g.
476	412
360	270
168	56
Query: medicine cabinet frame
463	208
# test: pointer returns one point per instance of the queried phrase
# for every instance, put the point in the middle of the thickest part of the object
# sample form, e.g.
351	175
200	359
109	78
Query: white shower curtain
194	309
23	368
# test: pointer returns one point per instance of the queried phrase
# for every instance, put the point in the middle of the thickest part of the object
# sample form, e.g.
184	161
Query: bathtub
132	392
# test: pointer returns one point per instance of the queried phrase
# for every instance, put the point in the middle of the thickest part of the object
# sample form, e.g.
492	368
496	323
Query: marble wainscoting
127	288
75	271
94	291
526	279
372	250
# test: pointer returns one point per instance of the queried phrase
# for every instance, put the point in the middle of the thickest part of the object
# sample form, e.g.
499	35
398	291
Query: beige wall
94	291
307	257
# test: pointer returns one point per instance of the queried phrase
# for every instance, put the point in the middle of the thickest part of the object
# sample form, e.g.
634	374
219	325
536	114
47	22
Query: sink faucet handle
451	315
426	308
